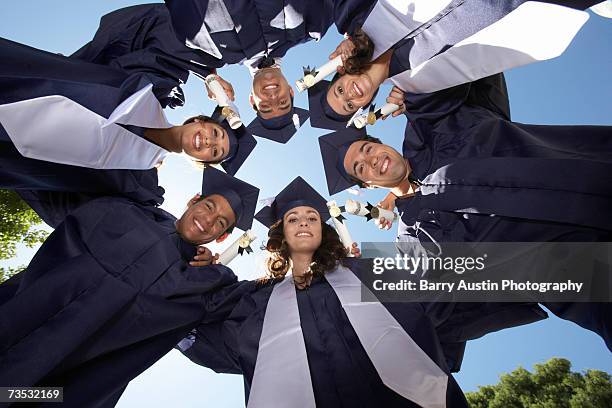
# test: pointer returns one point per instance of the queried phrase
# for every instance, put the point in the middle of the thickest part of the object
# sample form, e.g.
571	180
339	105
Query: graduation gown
140	40
244	31
488	179
108	294
29	76
439	44
342	374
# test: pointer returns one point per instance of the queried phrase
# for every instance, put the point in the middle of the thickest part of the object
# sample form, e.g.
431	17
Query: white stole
57	129
216	19
532	32
392	20
282	378
282	363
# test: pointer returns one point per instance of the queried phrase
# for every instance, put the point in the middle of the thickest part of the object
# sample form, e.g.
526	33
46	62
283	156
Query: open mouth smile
357	90
199	226
385	165
197	141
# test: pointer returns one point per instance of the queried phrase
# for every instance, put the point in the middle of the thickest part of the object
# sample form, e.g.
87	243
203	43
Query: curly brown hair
326	257
362	54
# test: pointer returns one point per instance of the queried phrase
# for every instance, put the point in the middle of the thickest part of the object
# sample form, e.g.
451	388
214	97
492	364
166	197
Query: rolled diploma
378	212
386	109
232	251
327	69
358	208
223	100
361	121
343	232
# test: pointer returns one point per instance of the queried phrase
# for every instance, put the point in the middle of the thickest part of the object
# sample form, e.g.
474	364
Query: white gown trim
532	32
400	17
282	361
282	378
57	129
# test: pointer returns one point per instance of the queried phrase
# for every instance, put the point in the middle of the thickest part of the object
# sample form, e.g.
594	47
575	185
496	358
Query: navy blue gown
459	20
266	27
133	47
342	374
27	73
489	179
140	40
108	294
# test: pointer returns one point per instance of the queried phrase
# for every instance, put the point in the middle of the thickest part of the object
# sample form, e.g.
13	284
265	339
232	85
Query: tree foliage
6	273
551	385
17	221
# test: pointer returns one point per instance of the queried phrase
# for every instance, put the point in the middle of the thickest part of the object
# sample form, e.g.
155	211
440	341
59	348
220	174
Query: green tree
6	273
17	224
551	385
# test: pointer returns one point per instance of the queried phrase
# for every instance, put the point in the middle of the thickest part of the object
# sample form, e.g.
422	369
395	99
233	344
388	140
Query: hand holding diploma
312	76
344	50
227	88
204	257
238	247
223	93
382	214
388	204
394	100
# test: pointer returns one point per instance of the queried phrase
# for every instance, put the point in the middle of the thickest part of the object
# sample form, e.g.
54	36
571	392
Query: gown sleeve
53	206
213	343
349	15
140	40
488	93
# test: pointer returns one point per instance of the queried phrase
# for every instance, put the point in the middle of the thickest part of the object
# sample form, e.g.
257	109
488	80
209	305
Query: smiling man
257	34
114	288
467	173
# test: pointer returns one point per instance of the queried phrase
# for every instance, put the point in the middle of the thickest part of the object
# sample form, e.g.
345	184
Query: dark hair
360	60
326	257
201	164
201	118
370	139
362	54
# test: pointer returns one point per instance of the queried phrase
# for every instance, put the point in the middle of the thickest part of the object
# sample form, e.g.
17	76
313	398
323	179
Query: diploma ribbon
336	212
247	249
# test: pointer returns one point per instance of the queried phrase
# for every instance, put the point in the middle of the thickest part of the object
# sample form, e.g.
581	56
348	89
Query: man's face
206	220
375	164
271	93
205	141
349	93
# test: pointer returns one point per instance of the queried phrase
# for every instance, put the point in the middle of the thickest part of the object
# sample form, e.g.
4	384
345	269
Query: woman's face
205	141
302	229
350	92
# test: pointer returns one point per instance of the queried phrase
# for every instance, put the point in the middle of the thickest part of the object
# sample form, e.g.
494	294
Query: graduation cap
241	196
241	143
333	150
281	128
297	193
322	115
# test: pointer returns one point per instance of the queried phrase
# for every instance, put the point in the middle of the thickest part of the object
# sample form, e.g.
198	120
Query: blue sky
572	89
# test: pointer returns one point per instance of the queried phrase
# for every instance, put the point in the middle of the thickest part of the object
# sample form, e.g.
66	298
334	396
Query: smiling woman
423	46
306	331
303	241
94	123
